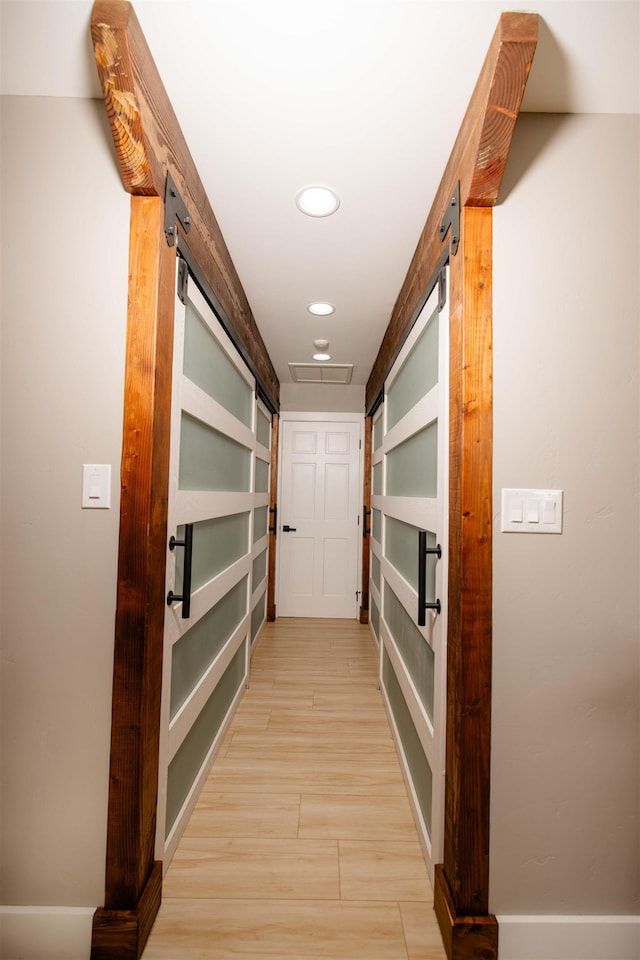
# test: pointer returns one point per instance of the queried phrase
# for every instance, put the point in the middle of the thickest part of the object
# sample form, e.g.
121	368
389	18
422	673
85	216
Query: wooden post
133	880
462	882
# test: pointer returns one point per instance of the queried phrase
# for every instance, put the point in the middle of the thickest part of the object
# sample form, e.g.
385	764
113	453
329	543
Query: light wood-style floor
302	844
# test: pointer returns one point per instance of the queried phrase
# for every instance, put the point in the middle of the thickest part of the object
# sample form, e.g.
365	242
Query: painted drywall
65	220
566	725
329	397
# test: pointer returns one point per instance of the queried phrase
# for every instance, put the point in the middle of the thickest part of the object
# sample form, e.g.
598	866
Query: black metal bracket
442	288
451	219
423	552
174	206
185	596
183	280
274	528
365	513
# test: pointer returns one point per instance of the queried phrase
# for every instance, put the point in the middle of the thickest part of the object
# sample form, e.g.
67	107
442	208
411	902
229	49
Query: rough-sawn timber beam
477	161
149	143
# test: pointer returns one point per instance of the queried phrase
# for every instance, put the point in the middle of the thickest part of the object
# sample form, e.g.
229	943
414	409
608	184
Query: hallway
302	843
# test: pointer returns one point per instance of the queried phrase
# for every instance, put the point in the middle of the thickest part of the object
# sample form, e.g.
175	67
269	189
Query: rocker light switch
96	486
516	510
531	511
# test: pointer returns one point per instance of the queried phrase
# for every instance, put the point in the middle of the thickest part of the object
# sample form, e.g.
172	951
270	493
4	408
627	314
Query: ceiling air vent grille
321	372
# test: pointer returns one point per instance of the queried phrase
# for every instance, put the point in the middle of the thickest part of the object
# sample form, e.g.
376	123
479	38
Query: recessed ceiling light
321	344
322	356
317	201
321	309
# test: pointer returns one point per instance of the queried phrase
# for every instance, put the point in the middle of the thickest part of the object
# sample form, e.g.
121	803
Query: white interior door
318	528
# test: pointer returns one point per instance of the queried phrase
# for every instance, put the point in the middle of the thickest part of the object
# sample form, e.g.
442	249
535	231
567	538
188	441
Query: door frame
317	417
149	145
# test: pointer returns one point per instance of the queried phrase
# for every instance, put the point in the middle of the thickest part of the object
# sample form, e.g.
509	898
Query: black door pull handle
287	529
185	596
423	552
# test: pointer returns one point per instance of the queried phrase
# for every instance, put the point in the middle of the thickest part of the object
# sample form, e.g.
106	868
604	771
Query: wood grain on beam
463	938
466	845
477	161
137	680
149	143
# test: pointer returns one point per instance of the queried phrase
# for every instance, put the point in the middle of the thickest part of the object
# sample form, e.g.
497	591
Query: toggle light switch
531	511
96	485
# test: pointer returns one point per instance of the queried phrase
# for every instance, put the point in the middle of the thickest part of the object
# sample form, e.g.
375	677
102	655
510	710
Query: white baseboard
45	933
568	938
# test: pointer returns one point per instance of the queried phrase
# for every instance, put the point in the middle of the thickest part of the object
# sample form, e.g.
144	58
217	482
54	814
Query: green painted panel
186	764
377	478
401	549
418	375
261	484
377	432
263	429
374	614
260	522
196	650
412	467
376	525
217	544
211	461
419	768
259	570
375	570
416	653
257	616
208	366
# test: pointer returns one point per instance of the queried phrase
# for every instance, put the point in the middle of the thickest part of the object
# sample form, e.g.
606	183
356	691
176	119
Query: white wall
566	725
65	223
322	397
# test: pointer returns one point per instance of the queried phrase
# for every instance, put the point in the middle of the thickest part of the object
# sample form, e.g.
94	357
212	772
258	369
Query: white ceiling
365	96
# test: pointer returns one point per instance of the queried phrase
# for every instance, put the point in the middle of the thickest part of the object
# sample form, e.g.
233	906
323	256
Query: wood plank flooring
302	844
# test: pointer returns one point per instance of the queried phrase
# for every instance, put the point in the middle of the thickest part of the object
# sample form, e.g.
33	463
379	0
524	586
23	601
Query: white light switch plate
96	486
531	511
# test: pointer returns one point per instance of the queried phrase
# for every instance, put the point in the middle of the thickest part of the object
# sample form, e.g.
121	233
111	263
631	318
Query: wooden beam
464	938
133	880
466	844
122	934
477	162
149	143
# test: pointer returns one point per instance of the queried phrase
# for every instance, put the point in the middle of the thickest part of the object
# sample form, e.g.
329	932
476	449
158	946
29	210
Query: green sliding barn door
408	587
216	554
